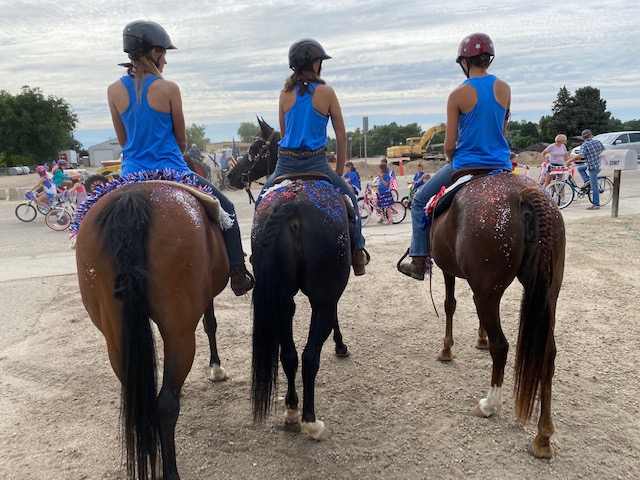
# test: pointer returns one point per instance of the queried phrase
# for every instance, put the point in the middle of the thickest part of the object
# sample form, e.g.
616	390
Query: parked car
617	140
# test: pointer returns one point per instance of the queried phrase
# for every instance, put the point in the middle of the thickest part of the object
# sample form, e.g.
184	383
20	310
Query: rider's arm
114	97
338	127
451	132
177	115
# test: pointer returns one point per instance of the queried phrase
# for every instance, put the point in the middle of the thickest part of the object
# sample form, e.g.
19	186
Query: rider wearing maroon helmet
477	115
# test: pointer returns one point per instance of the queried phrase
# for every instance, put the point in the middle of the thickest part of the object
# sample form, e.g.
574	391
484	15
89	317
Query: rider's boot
418	268
241	280
360	260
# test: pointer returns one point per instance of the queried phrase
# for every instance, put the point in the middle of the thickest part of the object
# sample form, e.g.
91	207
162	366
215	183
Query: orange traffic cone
401	168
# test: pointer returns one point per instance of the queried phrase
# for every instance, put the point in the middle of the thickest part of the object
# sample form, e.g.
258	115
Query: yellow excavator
415	147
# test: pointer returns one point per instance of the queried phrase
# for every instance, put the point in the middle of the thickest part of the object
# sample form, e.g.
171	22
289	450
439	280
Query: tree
590	111
572	114
35	127
248	131
196	134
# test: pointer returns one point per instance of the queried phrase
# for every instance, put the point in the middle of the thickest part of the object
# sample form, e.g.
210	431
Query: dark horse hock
500	227
301	240
148	251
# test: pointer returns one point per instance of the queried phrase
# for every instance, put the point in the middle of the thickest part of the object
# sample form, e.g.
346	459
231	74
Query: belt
301	153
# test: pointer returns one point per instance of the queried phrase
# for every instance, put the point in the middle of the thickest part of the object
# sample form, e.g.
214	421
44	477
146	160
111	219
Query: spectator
554	156
194	152
590	151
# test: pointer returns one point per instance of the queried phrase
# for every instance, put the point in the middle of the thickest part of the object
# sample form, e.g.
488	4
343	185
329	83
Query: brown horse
150	251
500	227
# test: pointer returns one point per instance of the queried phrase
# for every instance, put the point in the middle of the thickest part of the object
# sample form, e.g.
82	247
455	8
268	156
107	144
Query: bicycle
406	200
59	217
27	212
368	204
563	191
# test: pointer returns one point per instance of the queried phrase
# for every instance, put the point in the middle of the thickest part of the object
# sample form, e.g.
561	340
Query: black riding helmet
304	52
141	36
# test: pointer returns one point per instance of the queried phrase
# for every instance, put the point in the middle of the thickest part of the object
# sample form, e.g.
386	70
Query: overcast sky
392	60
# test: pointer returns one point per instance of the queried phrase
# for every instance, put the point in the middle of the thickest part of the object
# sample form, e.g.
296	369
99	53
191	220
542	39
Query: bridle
263	154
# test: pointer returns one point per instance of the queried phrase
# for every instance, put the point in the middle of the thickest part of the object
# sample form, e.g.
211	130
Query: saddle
302	176
443	202
308	176
210	204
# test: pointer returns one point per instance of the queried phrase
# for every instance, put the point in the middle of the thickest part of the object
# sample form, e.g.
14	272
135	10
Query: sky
393	60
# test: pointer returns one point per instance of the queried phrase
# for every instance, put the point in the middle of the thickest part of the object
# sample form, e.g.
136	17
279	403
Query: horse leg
179	352
488	308
217	373
445	354
341	348
323	319
482	343
541	445
289	361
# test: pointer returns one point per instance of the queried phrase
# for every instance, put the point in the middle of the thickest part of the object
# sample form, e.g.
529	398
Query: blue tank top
151	143
481	141
305	127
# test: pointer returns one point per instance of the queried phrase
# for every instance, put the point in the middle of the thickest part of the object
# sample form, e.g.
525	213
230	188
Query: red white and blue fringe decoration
186	178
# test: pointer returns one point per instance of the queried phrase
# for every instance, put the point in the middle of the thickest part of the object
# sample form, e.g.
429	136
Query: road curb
13	193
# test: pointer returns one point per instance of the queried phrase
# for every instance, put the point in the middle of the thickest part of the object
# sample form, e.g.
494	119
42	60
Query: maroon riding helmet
475	45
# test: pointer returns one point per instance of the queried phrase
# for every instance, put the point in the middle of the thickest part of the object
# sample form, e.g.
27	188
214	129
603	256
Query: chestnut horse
149	251
498	228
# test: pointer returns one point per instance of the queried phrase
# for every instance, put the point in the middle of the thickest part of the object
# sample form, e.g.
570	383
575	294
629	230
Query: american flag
393	183
235	154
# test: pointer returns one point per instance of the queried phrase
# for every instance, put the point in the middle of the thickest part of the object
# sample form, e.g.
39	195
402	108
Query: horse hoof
218	374
478	412
316	430
545	450
445	355
292	416
342	352
482	344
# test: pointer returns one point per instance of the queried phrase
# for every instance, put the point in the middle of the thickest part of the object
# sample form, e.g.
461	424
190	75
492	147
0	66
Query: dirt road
393	410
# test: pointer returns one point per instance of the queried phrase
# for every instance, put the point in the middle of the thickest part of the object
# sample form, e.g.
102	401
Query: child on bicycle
77	188
61	179
419	179
45	197
352	177
383	197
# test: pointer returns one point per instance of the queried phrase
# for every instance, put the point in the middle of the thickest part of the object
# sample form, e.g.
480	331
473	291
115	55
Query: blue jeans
420	229
231	236
317	163
593	179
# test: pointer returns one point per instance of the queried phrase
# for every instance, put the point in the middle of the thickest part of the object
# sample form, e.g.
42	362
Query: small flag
393	183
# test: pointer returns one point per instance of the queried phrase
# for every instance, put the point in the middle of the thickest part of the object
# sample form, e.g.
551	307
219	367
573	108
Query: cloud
391	59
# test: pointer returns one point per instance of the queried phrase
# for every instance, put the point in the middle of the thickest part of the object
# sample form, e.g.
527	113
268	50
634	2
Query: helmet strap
464	63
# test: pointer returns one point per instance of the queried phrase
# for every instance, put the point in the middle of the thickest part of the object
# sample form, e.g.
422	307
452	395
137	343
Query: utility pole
365	127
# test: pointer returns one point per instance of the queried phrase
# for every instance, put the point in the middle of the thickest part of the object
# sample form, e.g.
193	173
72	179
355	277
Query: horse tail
535	351
125	223
271	309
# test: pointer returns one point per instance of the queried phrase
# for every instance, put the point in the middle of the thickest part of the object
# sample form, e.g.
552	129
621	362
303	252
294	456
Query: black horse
259	161
302	239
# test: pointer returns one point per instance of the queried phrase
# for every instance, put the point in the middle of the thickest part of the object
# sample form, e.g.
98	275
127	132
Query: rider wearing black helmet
149	122
306	104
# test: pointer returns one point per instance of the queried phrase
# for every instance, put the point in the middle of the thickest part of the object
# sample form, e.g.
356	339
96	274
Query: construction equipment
415	147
